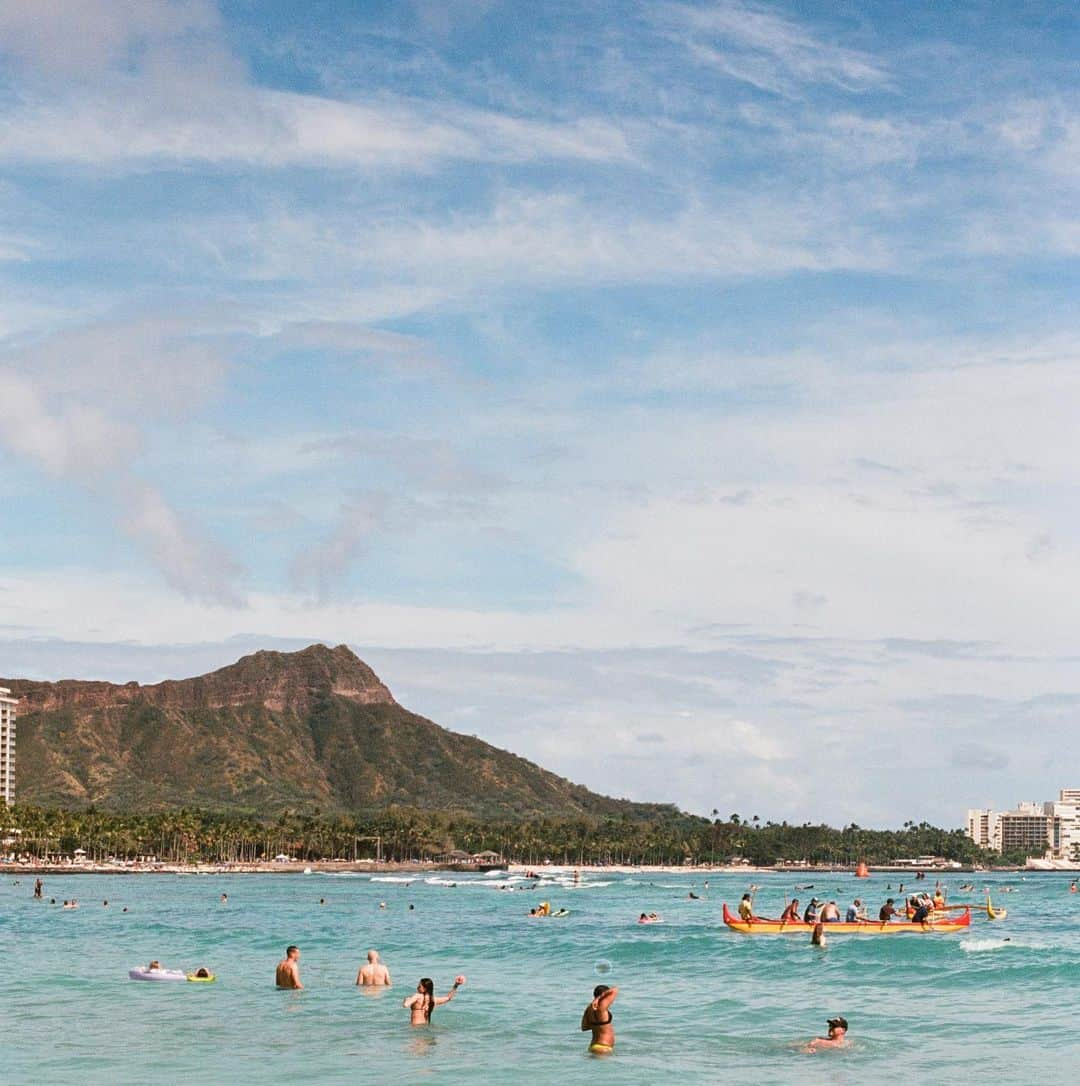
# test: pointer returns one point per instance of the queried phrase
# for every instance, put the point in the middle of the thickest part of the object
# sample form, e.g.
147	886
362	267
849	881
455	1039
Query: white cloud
58	38
76	406
194	566
755	45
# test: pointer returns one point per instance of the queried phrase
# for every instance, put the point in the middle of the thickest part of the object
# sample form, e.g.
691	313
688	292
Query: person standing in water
374	974
288	969
837	1037
424	1001
597	1017
38	887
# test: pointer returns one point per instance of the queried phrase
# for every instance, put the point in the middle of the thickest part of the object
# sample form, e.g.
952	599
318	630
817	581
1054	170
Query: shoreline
325	867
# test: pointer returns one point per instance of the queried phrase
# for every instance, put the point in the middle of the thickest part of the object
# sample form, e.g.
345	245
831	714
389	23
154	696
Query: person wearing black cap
837	1037
811	914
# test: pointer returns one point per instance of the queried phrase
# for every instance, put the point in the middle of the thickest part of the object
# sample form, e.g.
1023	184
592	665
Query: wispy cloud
757	45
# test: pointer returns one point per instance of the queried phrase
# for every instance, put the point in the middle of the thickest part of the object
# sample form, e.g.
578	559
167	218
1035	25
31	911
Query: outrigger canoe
764	926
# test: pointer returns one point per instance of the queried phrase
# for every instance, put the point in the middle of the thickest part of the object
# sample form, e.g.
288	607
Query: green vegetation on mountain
312	731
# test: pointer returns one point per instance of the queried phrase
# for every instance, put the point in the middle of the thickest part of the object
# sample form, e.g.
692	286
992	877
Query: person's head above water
292	952
372	956
600	989
837	1023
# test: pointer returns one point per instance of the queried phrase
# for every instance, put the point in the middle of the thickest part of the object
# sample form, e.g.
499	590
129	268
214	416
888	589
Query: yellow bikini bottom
597	1049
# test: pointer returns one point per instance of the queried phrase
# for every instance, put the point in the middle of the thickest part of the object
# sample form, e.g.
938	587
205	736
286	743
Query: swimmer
692	896
1072	888
374	974
818	936
154	965
425	1000
105	904
322	901
39	885
202	973
287	974
382	904
837	1037
598	1018
224	899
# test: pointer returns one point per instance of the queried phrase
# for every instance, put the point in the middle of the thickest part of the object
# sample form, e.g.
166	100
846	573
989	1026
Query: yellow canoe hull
763	926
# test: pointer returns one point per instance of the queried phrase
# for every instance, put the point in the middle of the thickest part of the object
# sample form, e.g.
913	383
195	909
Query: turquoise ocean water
697	1004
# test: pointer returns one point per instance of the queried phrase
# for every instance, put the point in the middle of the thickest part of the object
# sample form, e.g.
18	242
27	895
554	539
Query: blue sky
679	394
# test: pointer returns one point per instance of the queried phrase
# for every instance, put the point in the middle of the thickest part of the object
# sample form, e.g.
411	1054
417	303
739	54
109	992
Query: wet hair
290	949
427	986
600	989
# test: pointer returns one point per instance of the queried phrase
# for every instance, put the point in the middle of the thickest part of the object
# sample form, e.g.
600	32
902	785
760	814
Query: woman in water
597	1017
424	1001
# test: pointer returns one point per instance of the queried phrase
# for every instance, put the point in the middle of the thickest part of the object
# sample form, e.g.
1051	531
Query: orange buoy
862	871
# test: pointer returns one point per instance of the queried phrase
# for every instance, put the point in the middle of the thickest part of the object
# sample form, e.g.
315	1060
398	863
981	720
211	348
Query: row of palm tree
399	833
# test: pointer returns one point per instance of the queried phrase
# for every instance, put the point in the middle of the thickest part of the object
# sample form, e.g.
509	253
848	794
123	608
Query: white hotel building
1052	828
7	745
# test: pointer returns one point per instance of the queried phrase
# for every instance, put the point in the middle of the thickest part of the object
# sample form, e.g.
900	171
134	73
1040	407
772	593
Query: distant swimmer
322	901
598	1018
288	969
39	886
224	899
425	1000
649	918
692	896
1072	888
837	1036
374	974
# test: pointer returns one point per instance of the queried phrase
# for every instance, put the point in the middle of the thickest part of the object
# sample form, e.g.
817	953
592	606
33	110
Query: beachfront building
1052	828
7	746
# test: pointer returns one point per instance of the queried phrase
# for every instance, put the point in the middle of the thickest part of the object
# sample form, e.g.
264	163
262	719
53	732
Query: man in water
38	885
288	969
837	1037
374	974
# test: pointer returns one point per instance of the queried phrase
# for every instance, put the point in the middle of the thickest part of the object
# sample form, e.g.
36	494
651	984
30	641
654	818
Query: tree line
402	834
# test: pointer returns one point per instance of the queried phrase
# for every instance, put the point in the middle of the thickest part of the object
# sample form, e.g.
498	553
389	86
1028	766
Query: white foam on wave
392	878
977	946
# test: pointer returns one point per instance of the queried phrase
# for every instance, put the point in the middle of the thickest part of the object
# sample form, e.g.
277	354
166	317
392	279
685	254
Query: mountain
309	729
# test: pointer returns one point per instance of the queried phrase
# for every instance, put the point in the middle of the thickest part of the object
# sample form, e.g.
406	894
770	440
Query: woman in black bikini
597	1017
425	1000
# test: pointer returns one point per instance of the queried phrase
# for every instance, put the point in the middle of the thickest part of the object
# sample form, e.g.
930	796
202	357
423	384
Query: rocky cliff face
308	729
275	680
